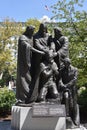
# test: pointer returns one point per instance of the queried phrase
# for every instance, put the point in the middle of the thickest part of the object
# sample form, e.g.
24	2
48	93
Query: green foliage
5	78
65	9
73	23
7	99
9	32
82	100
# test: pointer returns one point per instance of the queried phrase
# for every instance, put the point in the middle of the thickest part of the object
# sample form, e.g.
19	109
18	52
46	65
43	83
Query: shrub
82	98
7	99
82	101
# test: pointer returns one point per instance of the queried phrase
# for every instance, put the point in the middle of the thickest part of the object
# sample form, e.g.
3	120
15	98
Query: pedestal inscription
48	110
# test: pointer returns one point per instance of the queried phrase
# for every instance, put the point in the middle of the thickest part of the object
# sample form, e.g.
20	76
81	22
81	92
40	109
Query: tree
9	31
74	25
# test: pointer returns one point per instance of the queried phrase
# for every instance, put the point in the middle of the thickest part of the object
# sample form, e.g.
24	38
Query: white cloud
45	19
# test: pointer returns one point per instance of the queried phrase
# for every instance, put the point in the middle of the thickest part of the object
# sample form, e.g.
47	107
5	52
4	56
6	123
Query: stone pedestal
23	119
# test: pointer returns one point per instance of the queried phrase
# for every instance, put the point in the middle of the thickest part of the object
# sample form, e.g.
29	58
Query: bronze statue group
44	70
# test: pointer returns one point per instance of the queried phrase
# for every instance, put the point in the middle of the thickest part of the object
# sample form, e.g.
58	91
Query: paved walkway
5	125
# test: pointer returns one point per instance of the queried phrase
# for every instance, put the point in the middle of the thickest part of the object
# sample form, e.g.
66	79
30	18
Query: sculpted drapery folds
25	49
62	46
41	40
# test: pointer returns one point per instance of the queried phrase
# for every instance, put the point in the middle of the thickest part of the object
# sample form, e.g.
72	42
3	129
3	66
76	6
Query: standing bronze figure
25	49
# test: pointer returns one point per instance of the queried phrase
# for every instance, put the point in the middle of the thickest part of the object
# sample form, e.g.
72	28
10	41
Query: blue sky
21	10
